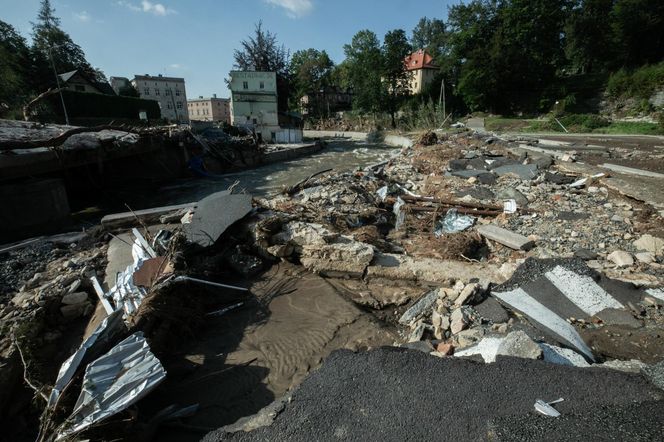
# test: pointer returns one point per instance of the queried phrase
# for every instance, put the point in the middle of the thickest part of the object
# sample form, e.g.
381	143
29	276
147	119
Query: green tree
589	42
471	29
49	40
310	70
263	53
395	77
639	31
14	62
430	34
364	61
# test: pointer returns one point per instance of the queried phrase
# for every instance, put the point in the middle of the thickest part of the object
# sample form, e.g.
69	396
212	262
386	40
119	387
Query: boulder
467	294
75	298
649	243
458	321
338	259
518	344
513	194
621	258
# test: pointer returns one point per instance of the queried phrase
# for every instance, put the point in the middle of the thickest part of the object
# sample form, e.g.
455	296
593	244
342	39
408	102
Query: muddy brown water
242	361
340	155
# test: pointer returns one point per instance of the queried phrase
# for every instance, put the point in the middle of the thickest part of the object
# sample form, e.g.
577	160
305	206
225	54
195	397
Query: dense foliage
27	69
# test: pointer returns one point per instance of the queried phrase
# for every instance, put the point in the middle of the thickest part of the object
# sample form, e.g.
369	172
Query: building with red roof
422	70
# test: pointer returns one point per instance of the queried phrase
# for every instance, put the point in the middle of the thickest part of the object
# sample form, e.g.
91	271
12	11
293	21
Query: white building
254	102
169	92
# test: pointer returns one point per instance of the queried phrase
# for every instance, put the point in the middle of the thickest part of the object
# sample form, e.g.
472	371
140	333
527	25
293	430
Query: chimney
160	75
200	97
214	95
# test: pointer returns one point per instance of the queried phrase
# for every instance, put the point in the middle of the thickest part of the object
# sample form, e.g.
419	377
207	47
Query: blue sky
195	39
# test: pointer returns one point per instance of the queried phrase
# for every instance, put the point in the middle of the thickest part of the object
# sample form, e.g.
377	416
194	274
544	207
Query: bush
584	122
641	83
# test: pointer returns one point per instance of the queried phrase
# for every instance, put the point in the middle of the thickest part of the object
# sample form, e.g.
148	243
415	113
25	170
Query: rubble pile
461	246
429	235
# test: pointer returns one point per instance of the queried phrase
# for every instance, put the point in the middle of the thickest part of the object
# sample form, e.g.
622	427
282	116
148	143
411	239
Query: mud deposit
244	360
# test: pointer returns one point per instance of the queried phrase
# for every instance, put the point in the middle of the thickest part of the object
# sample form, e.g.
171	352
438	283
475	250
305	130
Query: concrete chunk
419	308
506	237
214	214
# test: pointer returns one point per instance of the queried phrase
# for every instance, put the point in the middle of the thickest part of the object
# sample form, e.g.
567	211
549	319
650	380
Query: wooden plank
505	237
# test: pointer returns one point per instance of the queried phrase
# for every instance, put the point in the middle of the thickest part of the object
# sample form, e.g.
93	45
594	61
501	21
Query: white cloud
82	16
148	7
294	8
176	66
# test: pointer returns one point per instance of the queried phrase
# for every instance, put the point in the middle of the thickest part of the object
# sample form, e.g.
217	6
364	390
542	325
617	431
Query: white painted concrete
526	304
582	291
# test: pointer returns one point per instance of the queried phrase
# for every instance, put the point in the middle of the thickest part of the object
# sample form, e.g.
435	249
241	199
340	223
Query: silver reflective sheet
108	328
126	294
127	373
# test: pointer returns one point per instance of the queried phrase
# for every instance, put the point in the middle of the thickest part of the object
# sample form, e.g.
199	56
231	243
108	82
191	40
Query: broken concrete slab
613	316
487	348
562	356
546	319
420	308
582	290
214	214
621	258
146	216
649	243
518	344
492	310
632	171
428	270
523	171
505	237
300	234
339	259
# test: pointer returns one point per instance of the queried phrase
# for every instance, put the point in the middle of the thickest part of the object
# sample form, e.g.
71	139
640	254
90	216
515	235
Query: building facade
210	109
254	102
79	82
169	92
326	101
421	69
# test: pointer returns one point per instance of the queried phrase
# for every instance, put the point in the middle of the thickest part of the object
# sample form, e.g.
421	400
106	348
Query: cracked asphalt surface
392	394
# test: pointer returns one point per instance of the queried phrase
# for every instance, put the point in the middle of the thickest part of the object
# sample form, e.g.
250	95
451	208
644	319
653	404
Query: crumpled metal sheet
125	294
401	215
108	329
453	222
124	375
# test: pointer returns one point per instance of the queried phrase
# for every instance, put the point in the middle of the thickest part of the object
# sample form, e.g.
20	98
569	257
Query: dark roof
101	86
67	75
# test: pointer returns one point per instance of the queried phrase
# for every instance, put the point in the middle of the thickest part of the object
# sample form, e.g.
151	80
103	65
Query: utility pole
57	81
441	97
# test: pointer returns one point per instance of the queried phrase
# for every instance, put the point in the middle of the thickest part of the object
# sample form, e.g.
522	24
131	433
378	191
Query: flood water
270	179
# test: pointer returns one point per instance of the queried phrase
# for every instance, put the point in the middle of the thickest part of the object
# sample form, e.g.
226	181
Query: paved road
403	395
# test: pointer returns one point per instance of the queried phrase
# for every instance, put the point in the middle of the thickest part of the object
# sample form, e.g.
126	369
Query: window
146	91
79	88
179	104
198	112
262	85
156	91
245	85
168	92
168	106
177	92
